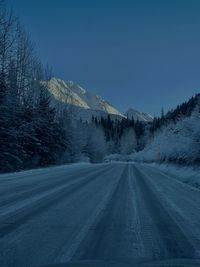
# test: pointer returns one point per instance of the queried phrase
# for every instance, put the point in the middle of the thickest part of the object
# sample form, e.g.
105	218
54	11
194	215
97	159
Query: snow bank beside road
119	158
186	174
177	142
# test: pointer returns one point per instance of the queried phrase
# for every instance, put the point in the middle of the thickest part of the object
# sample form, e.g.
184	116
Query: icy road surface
97	212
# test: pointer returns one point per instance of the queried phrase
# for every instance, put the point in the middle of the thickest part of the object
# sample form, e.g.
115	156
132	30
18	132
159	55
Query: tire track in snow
11	220
88	239
175	243
44	186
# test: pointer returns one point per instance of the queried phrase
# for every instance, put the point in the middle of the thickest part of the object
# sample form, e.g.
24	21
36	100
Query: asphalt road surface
113	212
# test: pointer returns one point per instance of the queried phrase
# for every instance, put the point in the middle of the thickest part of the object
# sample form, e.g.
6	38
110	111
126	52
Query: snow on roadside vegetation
178	143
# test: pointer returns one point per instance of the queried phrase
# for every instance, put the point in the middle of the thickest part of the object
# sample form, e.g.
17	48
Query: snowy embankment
177	142
186	174
183	173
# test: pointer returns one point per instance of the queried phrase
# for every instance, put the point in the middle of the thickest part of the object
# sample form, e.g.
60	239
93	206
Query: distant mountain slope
140	116
71	93
84	104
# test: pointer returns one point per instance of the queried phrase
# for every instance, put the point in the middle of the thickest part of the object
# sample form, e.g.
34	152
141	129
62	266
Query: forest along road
113	211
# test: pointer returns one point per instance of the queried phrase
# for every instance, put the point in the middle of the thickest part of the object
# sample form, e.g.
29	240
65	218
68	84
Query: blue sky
142	54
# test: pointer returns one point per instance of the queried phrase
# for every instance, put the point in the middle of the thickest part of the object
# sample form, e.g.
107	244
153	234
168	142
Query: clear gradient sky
135	53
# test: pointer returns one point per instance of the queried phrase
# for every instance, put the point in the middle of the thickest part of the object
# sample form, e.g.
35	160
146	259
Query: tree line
29	132
181	111
32	132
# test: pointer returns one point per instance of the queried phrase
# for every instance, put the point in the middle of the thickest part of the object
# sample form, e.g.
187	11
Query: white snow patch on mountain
71	93
85	104
137	115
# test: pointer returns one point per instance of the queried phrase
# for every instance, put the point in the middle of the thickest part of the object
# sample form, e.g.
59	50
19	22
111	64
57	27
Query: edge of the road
131	263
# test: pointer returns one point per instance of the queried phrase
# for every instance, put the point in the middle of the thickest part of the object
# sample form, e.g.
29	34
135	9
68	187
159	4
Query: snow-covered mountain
137	115
71	93
84	104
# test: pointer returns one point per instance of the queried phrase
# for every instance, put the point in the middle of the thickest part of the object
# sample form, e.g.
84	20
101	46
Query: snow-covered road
116	212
